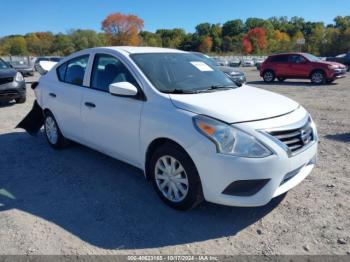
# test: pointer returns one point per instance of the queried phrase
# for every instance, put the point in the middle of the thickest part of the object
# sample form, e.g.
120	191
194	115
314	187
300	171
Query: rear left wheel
175	177
53	132
269	76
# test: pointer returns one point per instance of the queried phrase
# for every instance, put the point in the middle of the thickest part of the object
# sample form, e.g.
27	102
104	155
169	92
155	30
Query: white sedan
183	122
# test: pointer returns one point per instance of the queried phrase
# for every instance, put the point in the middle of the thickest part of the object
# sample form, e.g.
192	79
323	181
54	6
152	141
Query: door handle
90	105
52	95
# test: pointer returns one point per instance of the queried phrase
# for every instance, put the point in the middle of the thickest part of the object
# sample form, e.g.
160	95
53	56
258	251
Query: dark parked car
300	66
12	85
237	76
342	59
24	65
45	58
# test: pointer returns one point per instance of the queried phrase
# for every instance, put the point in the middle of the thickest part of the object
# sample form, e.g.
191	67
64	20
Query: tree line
252	36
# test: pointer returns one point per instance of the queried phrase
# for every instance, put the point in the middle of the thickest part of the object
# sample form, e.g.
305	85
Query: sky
23	16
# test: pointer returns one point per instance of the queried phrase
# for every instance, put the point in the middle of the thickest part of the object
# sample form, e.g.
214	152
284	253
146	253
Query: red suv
300	66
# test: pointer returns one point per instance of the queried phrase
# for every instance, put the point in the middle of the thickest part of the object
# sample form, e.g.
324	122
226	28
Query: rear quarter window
61	72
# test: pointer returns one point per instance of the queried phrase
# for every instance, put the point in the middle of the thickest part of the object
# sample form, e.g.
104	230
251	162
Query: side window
296	59
280	59
73	71
108	70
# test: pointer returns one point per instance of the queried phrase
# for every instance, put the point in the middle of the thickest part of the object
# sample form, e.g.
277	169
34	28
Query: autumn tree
171	37
206	45
255	41
40	43
15	45
123	29
150	39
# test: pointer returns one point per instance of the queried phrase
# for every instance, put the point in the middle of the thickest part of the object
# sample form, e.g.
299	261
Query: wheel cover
268	76
51	130
317	77
171	178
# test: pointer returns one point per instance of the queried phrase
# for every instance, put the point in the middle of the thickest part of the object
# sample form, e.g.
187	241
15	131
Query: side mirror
123	89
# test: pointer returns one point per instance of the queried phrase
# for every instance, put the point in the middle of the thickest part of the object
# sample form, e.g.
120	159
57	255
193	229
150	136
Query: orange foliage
123	29
254	36
206	45
281	36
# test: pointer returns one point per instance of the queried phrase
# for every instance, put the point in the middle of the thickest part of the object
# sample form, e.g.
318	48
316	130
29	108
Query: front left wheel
53	132
175	177
318	77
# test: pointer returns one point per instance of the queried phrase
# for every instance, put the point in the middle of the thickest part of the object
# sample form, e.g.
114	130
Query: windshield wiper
216	87
179	91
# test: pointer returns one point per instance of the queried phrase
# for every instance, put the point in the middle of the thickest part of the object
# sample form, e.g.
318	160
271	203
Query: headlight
19	77
229	140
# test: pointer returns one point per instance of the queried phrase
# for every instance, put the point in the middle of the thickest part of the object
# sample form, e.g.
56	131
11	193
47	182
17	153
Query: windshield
181	72
207	59
3	64
312	58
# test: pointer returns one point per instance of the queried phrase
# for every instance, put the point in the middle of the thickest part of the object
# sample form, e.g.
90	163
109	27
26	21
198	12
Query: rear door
299	66
280	64
64	96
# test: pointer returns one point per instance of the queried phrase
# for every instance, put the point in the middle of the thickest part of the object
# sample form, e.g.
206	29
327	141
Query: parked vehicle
222	62
235	62
258	62
45	58
248	63
23	65
236	75
342	59
300	66
12	85
183	122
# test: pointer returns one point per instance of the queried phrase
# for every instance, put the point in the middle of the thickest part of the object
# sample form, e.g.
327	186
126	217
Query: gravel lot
78	201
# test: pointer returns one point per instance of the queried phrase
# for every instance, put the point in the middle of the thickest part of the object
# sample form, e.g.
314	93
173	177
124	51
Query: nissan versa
193	132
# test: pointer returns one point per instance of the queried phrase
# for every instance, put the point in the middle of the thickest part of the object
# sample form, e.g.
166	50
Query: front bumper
280	171
338	73
12	91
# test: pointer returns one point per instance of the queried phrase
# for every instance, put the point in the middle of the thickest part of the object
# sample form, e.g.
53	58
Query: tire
269	76
53	133
281	79
347	68
318	77
178	189
21	100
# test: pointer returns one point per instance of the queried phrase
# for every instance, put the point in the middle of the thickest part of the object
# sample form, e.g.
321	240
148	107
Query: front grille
295	139
6	80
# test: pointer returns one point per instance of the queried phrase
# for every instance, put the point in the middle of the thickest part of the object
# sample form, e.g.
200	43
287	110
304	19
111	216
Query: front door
299	66
111	123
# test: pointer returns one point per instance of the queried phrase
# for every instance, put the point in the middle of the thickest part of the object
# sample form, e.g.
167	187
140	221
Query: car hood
7	73
242	104
332	64
230	70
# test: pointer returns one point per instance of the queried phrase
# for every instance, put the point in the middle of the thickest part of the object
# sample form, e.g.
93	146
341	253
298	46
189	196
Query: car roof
292	53
142	49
